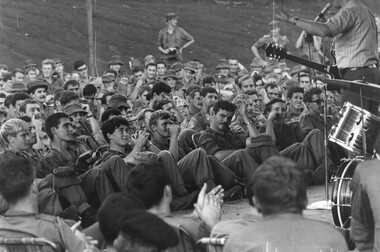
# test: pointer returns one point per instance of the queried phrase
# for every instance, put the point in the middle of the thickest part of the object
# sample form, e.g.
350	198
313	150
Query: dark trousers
365	207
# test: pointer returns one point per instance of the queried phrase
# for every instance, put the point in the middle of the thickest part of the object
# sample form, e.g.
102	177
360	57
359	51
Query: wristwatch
248	123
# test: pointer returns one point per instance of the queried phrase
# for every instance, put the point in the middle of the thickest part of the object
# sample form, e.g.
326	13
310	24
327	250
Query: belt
343	71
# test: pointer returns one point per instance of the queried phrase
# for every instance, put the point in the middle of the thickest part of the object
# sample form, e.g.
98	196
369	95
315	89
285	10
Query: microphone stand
326	203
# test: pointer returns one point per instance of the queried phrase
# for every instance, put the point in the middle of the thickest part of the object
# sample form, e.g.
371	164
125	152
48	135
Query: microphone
323	12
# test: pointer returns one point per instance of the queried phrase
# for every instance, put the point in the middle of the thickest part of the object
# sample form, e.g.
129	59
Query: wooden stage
237	209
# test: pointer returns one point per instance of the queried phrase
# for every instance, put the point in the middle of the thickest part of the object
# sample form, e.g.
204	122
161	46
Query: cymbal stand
363	130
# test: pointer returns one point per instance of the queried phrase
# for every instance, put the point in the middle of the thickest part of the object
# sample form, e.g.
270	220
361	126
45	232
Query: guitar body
276	52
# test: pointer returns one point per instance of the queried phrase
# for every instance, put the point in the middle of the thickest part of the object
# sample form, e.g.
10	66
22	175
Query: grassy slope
57	28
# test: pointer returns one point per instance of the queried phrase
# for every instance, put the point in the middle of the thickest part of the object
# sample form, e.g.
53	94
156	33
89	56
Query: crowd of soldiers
162	130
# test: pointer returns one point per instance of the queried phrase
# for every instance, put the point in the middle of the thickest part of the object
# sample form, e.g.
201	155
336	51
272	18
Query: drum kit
356	132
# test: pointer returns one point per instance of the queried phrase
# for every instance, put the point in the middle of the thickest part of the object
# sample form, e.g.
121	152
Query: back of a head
160	104
67	97
108	113
19	96
110	211
142	231
16	177
279	187
89	90
161	87
147	183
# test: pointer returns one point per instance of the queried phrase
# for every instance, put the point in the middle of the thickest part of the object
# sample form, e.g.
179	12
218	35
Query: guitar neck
316	66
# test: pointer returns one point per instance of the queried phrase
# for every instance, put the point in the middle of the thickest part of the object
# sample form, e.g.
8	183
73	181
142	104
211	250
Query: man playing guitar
355	35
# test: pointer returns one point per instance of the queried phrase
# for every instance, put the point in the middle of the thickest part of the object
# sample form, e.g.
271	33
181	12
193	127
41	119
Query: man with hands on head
196	167
247	111
240	152
294	143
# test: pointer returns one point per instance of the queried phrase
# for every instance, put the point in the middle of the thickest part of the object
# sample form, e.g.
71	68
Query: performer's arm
311	27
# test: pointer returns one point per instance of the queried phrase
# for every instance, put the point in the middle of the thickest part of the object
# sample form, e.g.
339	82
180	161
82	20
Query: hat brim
32	88
118	105
115	62
191	69
170	76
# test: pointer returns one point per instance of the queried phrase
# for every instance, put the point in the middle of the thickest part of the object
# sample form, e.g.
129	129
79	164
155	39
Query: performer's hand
264	63
284	16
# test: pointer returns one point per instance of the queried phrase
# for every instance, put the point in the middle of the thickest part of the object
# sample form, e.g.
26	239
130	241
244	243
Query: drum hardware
356	130
341	193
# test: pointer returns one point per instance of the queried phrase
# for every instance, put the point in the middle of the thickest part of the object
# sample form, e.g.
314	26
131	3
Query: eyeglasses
276	94
319	101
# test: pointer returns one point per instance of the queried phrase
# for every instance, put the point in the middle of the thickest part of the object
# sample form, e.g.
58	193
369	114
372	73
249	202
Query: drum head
341	193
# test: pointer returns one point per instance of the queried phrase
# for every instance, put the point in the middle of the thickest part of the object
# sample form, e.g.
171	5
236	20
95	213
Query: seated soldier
196	168
107	114
168	106
277	190
239	152
150	184
18	138
193	96
294	143
82	117
199	121
125	151
22	218
295	105
160	91
253	113
313	118
62	164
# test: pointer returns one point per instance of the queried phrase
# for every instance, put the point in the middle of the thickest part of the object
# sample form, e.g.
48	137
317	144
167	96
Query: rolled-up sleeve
340	22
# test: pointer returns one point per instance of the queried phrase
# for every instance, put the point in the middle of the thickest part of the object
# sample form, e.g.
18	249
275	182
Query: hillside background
39	29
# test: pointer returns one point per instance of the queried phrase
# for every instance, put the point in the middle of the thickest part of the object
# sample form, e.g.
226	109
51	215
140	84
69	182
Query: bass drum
342	192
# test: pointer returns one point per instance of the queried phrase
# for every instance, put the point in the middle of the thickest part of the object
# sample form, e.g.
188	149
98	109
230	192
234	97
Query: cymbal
369	90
